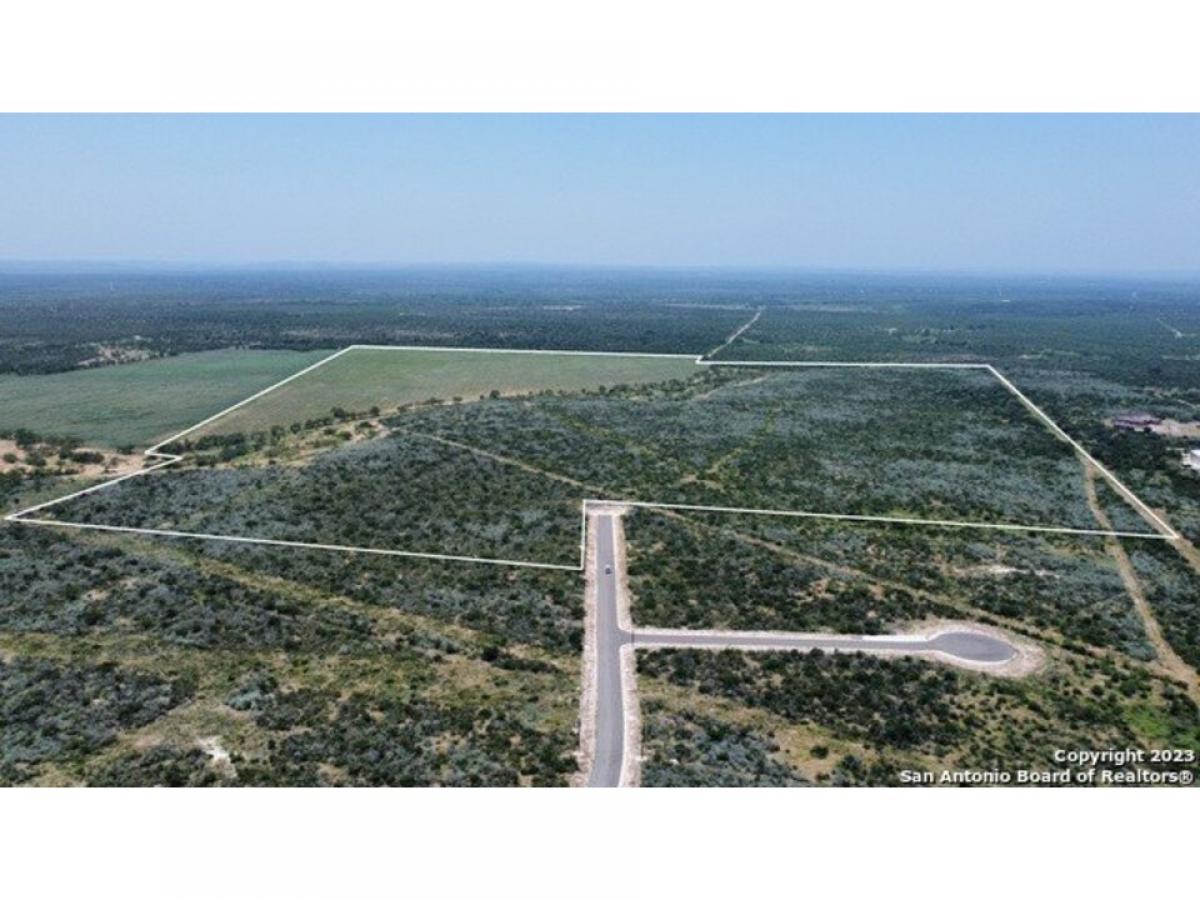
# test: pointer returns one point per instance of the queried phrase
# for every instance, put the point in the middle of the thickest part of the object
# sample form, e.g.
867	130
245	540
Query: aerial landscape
599	451
651	450
555	526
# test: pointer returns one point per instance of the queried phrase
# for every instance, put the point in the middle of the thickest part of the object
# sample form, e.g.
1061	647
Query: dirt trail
733	384
389	622
504	460
1171	328
1167	657
842	569
1189	552
737	334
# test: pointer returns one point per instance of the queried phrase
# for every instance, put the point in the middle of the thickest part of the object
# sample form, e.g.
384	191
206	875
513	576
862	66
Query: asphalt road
610	699
969	646
964	645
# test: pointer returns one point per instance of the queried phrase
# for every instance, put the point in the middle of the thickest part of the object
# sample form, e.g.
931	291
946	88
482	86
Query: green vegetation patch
1100	330
389	379
140	403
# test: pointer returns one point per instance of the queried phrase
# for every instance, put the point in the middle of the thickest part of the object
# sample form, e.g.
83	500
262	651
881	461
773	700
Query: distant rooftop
1135	420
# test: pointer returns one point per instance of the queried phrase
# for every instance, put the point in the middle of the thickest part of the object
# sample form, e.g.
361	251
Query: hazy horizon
1023	195
102	267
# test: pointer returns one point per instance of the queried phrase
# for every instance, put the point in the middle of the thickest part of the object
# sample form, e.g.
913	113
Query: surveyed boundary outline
165	459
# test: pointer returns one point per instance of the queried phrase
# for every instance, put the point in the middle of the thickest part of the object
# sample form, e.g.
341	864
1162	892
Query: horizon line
97	265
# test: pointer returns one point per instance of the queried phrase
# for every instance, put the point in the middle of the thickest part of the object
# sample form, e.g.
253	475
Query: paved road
969	646
965	645
610	700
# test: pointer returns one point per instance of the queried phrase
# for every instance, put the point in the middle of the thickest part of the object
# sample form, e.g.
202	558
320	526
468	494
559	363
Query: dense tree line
55	322
1097	329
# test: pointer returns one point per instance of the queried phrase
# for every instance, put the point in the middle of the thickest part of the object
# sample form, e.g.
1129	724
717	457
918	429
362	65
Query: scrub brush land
136	658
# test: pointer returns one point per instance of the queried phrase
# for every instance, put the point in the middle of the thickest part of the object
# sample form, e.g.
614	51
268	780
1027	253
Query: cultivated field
388	379
140	403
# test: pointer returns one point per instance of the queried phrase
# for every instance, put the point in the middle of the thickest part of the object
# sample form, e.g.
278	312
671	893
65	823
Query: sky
1044	193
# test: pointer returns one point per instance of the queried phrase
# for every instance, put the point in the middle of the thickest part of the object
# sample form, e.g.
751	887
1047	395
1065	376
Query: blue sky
1015	193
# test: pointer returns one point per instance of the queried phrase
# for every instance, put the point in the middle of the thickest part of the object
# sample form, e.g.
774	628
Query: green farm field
143	402
388	379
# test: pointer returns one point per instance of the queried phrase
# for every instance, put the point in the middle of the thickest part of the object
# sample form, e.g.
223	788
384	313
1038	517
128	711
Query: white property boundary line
1166	532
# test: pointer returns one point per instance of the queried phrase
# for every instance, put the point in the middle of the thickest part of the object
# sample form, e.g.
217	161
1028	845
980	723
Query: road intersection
610	730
